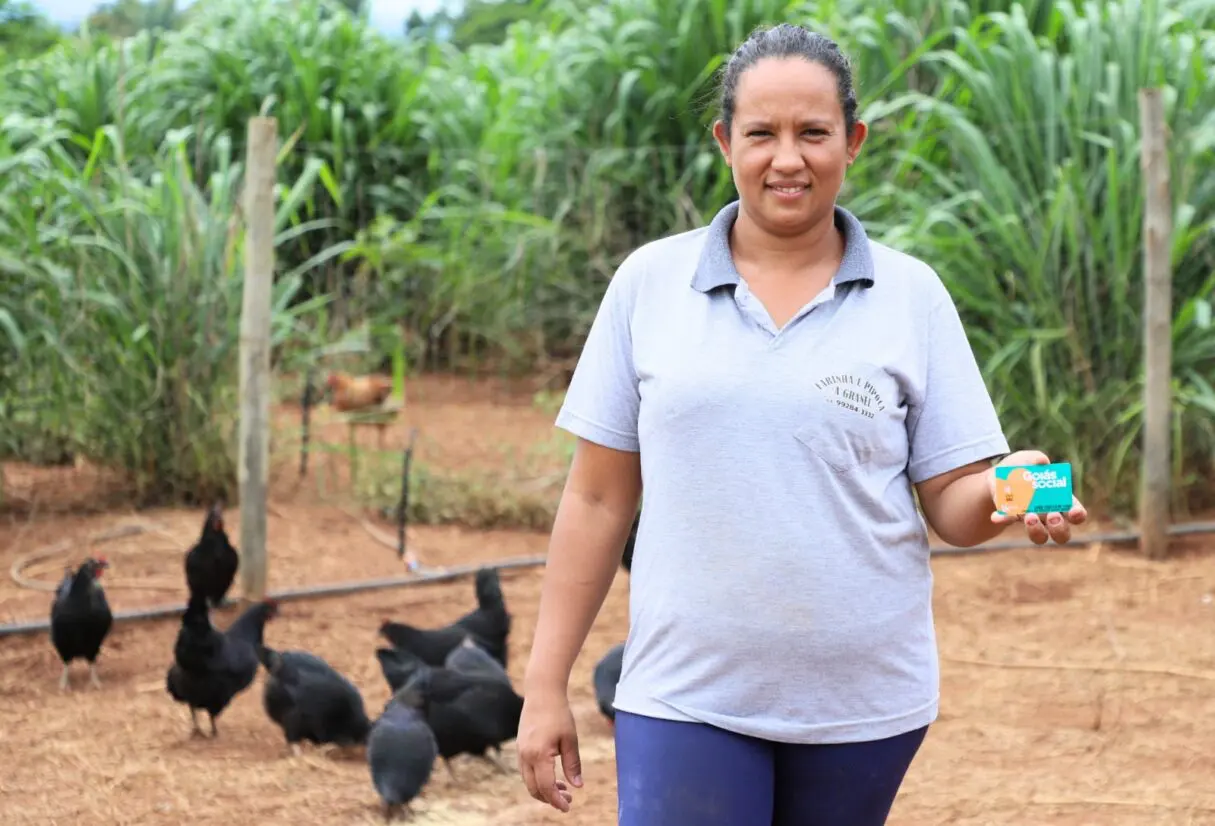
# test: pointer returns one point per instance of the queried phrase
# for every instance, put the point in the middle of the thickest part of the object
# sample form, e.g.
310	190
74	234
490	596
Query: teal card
1034	488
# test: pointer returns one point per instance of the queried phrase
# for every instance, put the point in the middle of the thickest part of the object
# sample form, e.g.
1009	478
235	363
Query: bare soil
1078	684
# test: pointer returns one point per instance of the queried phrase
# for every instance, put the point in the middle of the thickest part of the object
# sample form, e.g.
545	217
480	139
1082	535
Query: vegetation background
460	196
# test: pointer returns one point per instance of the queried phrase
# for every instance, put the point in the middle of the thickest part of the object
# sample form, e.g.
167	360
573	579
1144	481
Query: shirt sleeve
954	422
603	399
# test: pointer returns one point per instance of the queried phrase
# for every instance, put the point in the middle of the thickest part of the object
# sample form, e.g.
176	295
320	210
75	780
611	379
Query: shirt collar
716	265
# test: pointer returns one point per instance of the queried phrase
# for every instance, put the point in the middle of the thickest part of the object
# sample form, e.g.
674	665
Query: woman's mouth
789	192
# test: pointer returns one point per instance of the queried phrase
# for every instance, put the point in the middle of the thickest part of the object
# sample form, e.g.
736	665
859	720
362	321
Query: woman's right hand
547	731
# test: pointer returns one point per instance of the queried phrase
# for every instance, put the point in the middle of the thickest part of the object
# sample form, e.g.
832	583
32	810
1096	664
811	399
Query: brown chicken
360	394
357	392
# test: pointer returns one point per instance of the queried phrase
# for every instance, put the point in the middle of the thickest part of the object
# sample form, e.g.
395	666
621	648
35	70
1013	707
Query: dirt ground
1078	684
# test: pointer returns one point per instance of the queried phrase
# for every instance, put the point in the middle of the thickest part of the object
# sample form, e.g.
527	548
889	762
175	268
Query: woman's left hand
1056	526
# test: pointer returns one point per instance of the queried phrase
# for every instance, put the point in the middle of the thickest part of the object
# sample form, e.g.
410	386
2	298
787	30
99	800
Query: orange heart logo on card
1014	494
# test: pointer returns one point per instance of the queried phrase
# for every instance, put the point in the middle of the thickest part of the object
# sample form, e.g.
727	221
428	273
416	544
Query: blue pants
688	774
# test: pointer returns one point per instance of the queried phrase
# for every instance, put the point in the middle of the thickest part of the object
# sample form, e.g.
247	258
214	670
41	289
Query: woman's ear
723	139
856	140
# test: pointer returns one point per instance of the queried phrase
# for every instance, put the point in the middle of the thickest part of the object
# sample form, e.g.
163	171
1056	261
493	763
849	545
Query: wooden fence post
260	162
1156	468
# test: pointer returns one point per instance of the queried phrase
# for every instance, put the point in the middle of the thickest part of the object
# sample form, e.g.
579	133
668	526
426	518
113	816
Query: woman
786	388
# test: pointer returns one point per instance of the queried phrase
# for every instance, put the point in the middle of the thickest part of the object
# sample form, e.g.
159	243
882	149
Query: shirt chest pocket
852	423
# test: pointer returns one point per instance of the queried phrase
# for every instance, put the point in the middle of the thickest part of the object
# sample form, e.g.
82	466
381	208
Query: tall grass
122	308
474	203
1033	211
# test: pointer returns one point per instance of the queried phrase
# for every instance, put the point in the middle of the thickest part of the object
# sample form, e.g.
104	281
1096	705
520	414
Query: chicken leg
65	683
392	809
214	731
93	678
496	762
195	730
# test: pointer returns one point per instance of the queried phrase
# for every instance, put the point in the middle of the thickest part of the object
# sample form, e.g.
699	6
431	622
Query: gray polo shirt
781	585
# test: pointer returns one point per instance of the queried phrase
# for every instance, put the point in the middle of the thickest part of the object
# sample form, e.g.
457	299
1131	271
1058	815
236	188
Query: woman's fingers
1035	529
540	777
1078	514
1060	529
571	762
529	778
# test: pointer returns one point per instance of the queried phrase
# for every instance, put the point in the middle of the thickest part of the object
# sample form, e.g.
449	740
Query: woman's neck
822	244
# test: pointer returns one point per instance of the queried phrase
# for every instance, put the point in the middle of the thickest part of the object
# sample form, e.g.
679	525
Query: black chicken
606	676
211	667
489	625
469	714
311	701
431	645
80	618
399	666
490	622
401	751
470	658
211	564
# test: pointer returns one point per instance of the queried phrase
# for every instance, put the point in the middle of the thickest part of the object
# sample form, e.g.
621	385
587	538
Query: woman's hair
785	41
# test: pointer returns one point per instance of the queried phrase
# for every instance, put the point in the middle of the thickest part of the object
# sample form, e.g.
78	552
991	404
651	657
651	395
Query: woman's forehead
788	89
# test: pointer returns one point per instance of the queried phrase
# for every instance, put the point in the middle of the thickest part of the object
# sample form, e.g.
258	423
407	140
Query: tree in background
24	31
125	18
486	21
476	21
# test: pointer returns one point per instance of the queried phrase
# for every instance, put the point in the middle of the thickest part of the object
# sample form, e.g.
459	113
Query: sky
386	15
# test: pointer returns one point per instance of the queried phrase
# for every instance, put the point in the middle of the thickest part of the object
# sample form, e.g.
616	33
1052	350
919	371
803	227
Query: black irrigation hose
310	591
344	588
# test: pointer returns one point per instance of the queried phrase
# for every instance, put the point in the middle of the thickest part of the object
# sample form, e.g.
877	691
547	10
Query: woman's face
788	146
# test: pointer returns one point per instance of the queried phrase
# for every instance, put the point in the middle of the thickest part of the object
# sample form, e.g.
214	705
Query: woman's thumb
571	763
